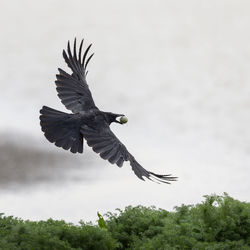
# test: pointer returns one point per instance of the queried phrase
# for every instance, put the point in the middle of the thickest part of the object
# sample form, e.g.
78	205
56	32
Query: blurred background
179	70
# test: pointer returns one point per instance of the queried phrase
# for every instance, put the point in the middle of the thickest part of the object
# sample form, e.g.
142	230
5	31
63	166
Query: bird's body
86	122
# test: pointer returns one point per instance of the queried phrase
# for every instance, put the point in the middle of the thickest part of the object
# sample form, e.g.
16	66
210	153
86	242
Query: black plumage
86	121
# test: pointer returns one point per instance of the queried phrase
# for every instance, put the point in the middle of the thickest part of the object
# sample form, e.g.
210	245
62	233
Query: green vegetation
220	222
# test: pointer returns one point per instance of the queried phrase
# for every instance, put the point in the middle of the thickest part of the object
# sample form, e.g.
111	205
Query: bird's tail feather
62	129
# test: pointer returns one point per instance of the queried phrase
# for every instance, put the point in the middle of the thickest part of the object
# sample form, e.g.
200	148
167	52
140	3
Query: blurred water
178	69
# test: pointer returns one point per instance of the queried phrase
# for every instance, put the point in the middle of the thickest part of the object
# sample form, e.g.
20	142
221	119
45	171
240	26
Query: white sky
178	69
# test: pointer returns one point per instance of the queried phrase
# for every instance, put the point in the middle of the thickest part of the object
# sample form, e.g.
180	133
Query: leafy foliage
50	234
101	221
220	222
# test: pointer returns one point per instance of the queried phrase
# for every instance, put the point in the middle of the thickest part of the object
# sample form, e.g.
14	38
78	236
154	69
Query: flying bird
87	122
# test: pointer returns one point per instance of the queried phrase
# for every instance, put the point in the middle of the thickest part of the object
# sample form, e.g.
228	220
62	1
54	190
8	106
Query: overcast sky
179	70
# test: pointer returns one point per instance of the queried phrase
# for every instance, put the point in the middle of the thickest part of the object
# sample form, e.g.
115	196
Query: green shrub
50	234
220	222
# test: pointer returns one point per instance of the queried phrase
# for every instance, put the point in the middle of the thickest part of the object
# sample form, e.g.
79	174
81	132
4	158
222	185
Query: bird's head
111	117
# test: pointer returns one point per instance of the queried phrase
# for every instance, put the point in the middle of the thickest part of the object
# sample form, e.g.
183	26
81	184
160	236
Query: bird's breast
92	119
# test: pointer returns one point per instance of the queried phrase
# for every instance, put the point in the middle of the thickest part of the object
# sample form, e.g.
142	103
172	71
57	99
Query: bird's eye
123	119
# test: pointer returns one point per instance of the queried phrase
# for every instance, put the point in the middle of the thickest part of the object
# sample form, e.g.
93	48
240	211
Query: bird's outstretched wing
73	89
104	142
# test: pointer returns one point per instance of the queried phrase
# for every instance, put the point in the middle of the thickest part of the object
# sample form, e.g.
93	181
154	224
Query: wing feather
73	89
100	149
113	159
106	154
103	141
120	162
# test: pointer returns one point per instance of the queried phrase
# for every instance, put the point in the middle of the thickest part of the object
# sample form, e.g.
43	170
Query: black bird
87	121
